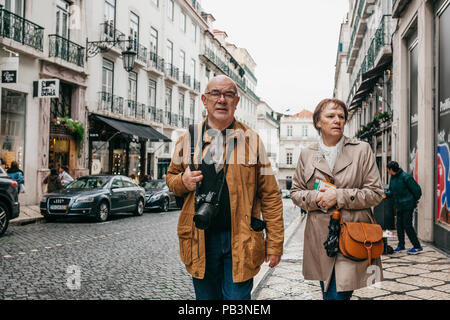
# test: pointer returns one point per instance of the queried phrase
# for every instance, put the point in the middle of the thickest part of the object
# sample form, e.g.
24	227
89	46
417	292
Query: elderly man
224	256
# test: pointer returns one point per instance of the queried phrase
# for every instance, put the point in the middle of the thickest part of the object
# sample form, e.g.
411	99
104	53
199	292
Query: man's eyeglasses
215	95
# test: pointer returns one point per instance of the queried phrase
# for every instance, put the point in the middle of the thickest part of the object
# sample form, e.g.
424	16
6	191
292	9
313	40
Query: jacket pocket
257	248
185	242
249	173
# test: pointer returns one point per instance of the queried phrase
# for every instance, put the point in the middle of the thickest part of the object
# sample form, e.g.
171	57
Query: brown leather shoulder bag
359	240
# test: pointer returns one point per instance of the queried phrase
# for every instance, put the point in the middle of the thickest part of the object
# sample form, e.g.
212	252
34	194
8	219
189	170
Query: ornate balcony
21	30
65	49
109	33
172	71
155	61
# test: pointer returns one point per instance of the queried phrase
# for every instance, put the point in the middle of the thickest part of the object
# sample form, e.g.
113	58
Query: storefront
119	147
442	208
12	134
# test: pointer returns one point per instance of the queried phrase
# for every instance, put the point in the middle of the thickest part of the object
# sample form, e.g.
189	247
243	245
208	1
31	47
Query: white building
296	133
163	91
268	128
37	35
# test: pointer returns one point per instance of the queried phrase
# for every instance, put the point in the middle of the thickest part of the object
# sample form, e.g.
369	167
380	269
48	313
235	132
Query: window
193	69
134	29
192	110
109	15
107	84
12	138
170	9
168	102
169	53
289	158
182	62
181	105
304	131
183	22
153	40
151	93
62	106
16	7
289	130
194	31
132	94
62	18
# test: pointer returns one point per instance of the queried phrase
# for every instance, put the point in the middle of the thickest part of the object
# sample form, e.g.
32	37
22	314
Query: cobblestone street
421	277
124	258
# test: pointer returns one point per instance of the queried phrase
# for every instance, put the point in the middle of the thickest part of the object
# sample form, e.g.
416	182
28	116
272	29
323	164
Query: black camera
206	209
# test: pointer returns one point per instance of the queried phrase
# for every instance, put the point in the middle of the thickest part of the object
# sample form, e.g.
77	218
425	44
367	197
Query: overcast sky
293	42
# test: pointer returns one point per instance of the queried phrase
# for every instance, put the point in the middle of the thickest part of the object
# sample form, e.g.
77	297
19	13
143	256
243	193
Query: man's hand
274	260
327	198
190	178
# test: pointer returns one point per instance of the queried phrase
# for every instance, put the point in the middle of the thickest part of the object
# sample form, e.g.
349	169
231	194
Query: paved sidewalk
28	214
425	276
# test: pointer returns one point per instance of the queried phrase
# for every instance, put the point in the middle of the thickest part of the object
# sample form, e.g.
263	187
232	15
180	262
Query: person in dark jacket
406	192
15	173
53	181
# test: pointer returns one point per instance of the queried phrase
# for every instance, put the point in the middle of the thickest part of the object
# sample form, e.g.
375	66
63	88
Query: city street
124	258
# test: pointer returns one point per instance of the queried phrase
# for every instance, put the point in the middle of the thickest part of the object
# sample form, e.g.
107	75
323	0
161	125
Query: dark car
158	196
94	196
9	200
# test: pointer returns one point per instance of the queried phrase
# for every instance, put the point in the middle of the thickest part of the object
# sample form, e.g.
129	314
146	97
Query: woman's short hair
394	166
321	106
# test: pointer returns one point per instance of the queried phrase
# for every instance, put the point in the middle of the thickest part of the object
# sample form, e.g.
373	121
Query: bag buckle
365	246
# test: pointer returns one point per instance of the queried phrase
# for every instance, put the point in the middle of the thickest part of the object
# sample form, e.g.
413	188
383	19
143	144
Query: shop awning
134	129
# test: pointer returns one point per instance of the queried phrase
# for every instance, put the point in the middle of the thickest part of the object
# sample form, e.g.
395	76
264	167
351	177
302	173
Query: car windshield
154	185
88	183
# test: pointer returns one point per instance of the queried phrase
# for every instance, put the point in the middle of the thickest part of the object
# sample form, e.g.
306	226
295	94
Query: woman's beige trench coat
359	188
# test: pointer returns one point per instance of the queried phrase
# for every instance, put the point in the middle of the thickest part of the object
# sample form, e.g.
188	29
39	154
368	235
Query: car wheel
139	208
165	206
103	212
4	218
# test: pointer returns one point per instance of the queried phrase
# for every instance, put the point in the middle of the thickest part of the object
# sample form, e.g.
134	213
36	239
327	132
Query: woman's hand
327	198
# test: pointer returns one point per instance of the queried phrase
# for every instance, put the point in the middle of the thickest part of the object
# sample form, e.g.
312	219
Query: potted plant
76	129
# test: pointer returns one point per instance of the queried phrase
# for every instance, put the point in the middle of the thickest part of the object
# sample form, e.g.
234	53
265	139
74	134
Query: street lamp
128	56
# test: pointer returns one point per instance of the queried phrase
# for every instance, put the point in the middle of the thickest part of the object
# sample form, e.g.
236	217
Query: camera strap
200	144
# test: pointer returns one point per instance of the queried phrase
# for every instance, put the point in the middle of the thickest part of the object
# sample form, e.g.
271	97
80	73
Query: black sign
9	76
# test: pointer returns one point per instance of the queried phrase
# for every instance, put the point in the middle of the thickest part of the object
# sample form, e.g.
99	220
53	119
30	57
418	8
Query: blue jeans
218	281
332	293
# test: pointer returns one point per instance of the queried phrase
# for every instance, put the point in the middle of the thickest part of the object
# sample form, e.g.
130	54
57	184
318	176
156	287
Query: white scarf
331	153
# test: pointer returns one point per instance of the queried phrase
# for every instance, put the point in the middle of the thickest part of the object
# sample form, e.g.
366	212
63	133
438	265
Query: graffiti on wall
443	180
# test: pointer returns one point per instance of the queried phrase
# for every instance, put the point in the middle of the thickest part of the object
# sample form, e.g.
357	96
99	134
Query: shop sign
46	88
9	68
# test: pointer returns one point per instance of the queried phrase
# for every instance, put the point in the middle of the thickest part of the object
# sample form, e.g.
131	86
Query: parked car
9	200
94	196
158	196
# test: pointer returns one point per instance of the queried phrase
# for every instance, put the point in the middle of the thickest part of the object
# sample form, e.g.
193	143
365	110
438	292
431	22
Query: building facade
296	133
421	53
39	37
162	91
268	128
363	75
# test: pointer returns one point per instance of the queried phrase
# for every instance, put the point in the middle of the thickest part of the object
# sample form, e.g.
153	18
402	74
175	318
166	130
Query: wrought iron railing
172	71
355	27
156	61
65	49
19	29
105	101
109	33
186	79
197	86
167	117
141	53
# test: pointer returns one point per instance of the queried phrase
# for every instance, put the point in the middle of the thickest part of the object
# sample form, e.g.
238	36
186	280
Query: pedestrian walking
65	176
53	181
224	256
351	167
17	175
406	192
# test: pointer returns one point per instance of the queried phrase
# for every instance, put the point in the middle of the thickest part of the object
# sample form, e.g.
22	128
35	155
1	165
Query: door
12	25
118	194
131	194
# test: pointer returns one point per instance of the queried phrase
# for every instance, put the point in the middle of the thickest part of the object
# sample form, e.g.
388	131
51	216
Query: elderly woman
350	165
